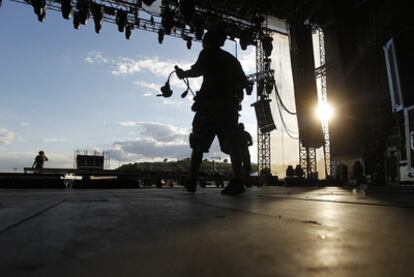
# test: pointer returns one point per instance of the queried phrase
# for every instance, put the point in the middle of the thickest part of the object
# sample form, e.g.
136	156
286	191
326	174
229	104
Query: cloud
131	66
152	86
156	141
96	57
159	132
24	124
6	136
128	124
144	149
54	140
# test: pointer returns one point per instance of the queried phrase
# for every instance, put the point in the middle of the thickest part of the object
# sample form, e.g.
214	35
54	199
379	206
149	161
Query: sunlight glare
325	112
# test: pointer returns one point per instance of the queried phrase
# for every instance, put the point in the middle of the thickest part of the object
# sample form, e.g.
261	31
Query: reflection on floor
167	232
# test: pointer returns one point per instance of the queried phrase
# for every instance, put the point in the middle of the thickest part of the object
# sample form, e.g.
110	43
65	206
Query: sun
325	112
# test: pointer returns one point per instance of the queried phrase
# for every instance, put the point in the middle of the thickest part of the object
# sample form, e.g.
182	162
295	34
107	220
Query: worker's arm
196	69
191	73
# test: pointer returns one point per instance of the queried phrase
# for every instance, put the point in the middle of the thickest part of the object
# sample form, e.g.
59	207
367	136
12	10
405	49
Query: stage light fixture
244	40
189	42
66	8
76	21
148	2
267	45
128	31
97	12
167	21
161	34
121	20
83	11
187	9
269	87
39	8
199	28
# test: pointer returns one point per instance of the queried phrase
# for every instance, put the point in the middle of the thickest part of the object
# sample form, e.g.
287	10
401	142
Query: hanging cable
289	132
279	99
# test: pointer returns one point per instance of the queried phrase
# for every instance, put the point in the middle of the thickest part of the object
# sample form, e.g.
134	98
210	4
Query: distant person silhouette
39	160
216	106
245	141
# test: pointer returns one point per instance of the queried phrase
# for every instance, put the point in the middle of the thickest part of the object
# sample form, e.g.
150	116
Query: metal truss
324	94
307	159
152	22
263	138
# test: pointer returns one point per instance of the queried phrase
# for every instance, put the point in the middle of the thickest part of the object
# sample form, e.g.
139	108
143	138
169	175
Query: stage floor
272	231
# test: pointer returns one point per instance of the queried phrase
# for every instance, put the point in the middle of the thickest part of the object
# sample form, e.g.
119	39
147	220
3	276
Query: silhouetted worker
40	160
245	141
216	106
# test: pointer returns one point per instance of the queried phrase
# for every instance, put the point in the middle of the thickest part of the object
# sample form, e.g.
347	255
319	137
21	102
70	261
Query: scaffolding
321	74
263	137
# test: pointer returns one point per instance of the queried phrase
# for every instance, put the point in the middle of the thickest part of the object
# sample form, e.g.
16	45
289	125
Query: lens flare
325	112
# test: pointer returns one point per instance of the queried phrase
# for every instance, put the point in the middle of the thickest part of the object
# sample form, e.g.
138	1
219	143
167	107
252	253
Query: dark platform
167	232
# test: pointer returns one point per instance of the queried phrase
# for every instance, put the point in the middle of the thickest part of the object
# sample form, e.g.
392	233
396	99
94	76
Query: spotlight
76	21
128	31
187	9
148	2
189	42
161	34
199	28
121	20
244	40
39	8
267	45
167	21
66	8
97	12
269	87
83	10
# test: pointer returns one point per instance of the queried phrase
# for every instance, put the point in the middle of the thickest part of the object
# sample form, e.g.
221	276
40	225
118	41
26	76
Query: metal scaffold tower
307	160
321	73
307	155
263	137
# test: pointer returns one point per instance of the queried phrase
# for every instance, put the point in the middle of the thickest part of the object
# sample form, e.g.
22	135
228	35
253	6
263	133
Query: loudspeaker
264	116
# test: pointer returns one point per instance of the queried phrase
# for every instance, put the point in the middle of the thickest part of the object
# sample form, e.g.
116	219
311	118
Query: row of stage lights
83	10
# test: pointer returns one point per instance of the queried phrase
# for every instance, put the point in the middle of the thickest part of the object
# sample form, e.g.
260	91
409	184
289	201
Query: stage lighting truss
176	18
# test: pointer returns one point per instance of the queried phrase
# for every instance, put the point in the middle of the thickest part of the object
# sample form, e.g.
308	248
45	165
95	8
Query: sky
64	89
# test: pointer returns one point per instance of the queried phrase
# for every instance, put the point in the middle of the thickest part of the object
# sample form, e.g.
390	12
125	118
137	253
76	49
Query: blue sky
64	89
